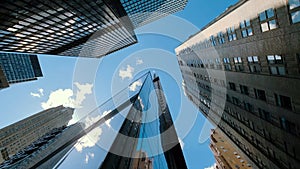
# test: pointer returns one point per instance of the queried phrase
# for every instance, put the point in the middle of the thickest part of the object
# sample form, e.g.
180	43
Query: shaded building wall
17	136
255	103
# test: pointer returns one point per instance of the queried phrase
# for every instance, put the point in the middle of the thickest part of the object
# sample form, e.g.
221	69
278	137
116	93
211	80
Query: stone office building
17	136
242	71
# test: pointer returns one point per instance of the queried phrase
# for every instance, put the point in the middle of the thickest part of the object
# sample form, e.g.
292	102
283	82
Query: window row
280	100
267	19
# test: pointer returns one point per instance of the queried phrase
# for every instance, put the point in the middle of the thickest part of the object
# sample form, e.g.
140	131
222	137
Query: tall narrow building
242	71
145	139
16	68
19	135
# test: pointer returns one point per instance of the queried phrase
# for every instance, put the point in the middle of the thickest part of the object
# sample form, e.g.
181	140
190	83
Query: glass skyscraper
135	132
19	67
144	12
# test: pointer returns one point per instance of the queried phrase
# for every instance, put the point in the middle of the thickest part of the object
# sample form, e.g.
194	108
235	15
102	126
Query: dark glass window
260	94
283	101
276	65
244	89
232	86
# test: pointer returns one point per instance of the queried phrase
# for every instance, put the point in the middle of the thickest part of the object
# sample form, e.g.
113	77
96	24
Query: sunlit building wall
242	71
226	155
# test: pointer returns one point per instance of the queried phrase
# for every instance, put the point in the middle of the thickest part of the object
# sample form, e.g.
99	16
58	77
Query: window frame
293	11
267	20
245	26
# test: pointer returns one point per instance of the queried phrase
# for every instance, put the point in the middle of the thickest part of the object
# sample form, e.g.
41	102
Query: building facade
226	155
144	12
78	28
16	68
17	136
242	71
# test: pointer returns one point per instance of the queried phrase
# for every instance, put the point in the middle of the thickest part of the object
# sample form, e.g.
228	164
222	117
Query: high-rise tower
242	72
16	68
146	136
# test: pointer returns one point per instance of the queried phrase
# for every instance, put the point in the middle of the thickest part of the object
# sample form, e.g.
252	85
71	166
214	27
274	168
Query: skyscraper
146	137
226	155
16	68
144	12
242	72
17	136
78	28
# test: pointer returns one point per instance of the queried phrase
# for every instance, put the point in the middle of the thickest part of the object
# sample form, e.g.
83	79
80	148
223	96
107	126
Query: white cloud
134	85
211	167
181	143
67	98
126	73
139	61
82	91
59	97
92	137
88	156
39	94
183	87
107	122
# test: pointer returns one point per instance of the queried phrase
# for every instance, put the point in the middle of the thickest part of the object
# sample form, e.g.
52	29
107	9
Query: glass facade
73	28
144	12
133	129
20	67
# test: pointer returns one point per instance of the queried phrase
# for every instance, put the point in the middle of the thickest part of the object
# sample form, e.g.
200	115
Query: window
248	107
268	20
231	34
227	65
264	114
254	65
232	86
221	38
276	65
236	101
244	90
283	101
218	63
287	125
213	41
260	94
246	28
238	63
294	7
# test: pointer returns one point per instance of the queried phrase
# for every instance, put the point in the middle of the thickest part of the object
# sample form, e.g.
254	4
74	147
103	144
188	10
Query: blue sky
86	83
